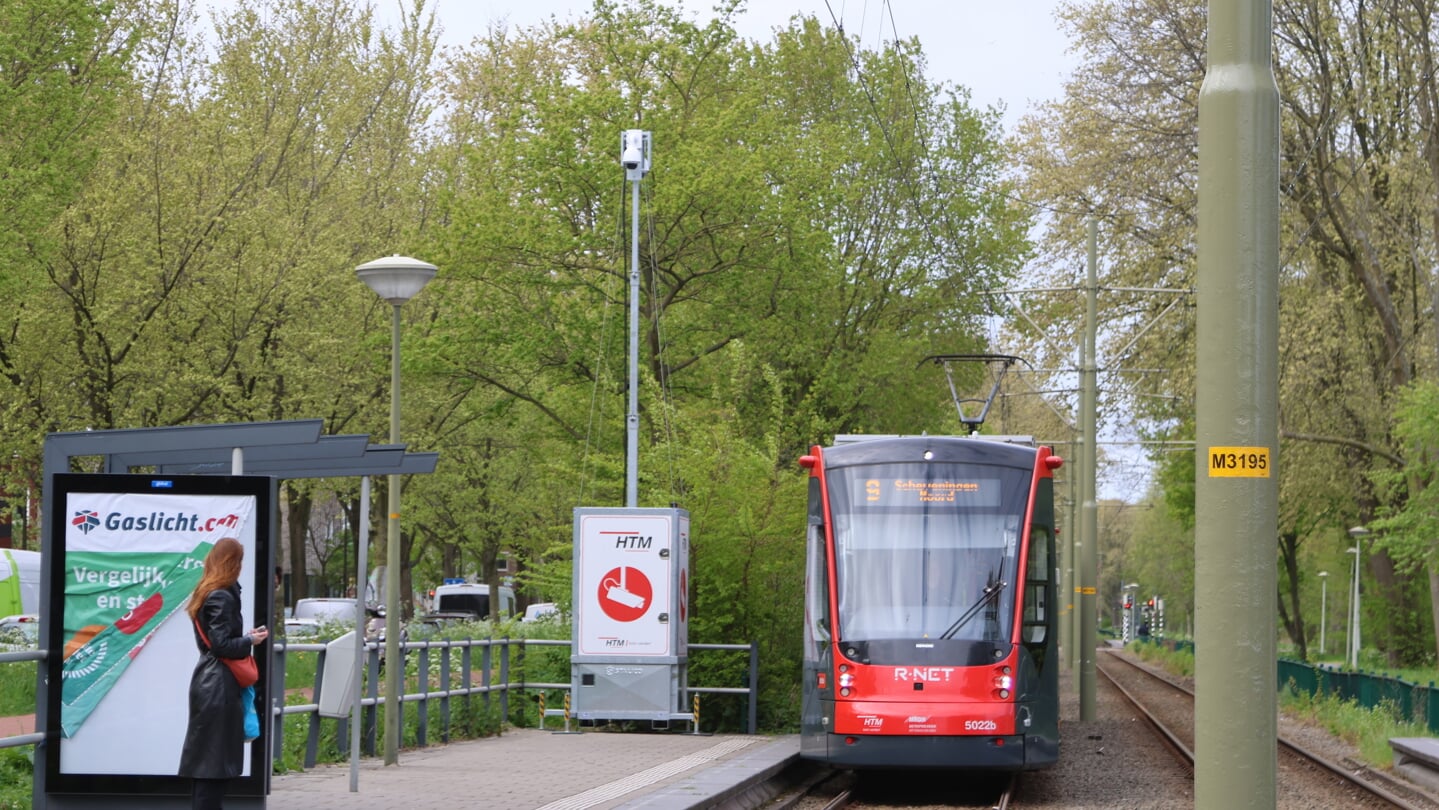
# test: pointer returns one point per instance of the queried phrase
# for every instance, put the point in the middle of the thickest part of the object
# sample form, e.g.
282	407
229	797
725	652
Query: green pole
1071	580
1089	517
1065	574
1236	440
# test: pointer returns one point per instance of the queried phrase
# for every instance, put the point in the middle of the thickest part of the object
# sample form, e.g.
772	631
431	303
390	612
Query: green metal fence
1410	701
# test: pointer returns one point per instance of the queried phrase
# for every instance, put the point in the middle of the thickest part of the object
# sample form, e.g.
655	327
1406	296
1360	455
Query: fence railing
36	737
449	681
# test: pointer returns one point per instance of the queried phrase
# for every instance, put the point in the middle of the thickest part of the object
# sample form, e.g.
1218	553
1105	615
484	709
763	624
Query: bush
17	777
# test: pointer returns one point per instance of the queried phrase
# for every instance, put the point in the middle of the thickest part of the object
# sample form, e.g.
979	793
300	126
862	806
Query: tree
63	66
1357	213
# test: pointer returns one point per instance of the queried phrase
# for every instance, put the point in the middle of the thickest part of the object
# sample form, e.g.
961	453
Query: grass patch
17	688
1178	662
17	769
1368	730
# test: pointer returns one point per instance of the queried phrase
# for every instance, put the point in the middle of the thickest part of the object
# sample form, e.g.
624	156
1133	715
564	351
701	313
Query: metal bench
1417	758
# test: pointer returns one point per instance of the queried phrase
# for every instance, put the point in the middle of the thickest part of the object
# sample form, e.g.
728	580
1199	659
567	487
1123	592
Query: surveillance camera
633	146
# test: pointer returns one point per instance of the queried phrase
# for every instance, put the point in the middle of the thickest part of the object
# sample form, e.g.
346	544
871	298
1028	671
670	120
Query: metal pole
632	419
1088	418
394	667
1349	615
1354	606
1236	430
1071	570
1323	606
362	563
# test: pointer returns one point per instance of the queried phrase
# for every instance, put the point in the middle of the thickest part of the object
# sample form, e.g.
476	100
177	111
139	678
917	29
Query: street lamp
1357	533
1323	606
396	279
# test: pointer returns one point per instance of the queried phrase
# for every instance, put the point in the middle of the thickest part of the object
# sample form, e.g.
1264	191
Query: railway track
1114	761
1305	775
870	790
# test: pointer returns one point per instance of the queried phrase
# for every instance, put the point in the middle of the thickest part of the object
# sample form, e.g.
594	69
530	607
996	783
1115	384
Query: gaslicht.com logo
85	520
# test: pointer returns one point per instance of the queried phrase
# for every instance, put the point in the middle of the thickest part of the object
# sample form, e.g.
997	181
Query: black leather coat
214	740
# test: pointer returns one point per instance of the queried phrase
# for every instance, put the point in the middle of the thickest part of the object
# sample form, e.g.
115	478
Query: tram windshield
927	550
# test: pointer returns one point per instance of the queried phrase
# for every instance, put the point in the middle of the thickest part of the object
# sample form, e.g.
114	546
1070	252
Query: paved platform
529	769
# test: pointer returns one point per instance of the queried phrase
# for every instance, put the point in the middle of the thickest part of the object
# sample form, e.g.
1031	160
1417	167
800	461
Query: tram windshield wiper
990	592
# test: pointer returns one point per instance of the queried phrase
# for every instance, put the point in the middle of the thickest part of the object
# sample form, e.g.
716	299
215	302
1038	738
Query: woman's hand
258	635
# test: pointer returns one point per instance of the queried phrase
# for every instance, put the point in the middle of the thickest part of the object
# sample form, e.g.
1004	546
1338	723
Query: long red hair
222	569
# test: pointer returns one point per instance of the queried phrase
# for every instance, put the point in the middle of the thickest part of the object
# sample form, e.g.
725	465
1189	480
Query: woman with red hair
214	749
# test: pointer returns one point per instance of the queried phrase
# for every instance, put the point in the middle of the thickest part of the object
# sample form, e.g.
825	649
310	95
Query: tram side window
1037	586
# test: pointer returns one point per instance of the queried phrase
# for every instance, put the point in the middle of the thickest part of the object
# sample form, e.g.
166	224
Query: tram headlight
1003	682
846	680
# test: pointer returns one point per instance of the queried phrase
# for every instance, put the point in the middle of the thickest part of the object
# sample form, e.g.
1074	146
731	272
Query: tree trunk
1293	617
297	525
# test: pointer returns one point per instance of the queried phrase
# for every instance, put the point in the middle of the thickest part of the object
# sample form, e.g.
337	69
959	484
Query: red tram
930	628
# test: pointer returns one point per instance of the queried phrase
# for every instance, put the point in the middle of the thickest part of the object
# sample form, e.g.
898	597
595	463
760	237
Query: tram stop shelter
216	461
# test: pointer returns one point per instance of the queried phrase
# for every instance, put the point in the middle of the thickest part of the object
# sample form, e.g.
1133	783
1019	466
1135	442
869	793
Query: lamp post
396	279
1357	533
1323	606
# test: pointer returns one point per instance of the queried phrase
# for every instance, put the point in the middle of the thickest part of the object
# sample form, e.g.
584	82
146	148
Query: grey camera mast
629	656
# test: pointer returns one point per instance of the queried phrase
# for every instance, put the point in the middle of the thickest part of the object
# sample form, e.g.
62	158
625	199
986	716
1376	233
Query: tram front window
911	569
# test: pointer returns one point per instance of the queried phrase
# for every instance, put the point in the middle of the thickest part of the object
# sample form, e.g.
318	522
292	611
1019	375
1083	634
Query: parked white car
301	629
540	611
474	599
326	611
20	632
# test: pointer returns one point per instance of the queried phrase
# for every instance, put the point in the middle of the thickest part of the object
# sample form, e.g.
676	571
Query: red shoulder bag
245	670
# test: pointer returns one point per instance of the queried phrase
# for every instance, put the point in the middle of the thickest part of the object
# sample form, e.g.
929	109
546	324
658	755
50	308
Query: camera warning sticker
625	594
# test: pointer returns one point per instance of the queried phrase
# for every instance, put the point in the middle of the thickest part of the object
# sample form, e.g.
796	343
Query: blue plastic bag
252	718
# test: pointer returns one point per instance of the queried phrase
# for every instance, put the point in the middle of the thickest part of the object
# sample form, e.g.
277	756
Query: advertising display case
128	550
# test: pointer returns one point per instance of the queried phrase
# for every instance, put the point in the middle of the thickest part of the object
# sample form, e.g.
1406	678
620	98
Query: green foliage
1408	530
17	772
1368	730
17	688
821	216
1176	661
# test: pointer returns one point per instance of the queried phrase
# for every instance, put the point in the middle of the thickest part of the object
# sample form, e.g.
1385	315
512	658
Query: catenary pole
1236	429
1089	514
